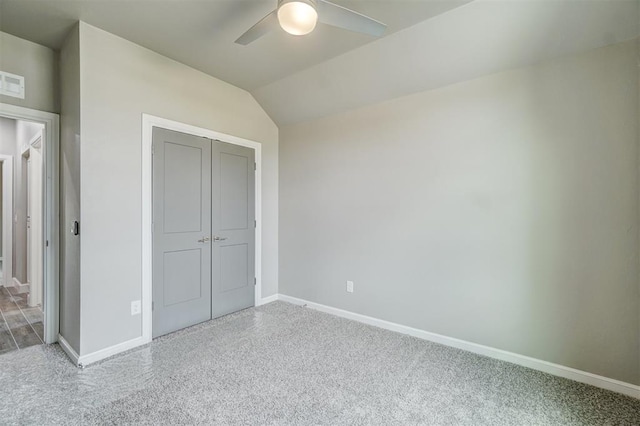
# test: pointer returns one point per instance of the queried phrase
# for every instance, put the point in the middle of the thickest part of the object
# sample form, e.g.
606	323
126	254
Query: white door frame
24	157
148	123
50	152
35	145
7	219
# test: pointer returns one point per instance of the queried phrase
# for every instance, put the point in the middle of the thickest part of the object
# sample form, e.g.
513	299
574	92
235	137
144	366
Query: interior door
233	266
181	230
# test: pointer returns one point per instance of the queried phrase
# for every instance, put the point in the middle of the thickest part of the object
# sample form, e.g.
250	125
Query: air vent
11	85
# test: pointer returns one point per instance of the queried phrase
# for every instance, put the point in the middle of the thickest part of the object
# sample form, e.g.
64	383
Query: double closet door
203	229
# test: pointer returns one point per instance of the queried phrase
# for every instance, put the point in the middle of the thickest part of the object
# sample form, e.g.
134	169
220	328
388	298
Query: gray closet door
181	230
233	265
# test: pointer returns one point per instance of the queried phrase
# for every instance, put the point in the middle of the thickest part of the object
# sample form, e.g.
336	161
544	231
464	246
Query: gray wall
1	210
501	211
70	189
120	81
38	65
7	136
7	147
8	130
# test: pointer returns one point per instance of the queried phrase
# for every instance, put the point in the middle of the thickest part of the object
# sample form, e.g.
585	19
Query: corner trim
525	361
66	347
96	356
267	299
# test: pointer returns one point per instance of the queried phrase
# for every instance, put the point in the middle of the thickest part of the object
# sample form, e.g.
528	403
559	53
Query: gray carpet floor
281	364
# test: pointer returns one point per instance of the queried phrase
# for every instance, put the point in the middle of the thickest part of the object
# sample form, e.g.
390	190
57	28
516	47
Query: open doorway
31	220
29	283
21	295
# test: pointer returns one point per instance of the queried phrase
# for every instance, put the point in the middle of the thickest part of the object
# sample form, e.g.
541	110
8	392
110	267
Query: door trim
148	123
51	190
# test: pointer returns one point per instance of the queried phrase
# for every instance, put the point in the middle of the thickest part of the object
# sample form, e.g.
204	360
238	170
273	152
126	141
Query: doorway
21	304
203	229
29	228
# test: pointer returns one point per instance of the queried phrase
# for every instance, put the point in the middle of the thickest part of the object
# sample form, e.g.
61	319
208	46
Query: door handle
204	240
216	238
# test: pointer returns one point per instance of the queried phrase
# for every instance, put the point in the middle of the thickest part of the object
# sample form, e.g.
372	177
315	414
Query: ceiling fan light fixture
297	17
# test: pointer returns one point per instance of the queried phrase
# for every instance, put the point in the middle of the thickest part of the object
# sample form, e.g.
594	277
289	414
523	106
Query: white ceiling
479	38
429	44
201	33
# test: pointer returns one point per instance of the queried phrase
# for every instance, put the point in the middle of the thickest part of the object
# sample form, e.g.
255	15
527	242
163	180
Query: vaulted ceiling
201	33
429	43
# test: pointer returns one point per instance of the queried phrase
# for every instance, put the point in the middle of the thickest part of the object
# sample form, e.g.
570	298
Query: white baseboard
91	358
21	287
533	363
66	347
84	360
96	356
267	299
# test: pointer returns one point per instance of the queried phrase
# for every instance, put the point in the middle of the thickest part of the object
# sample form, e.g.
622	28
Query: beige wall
38	65
502	211
119	82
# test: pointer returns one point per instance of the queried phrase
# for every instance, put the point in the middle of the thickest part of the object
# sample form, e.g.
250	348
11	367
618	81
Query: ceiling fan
299	17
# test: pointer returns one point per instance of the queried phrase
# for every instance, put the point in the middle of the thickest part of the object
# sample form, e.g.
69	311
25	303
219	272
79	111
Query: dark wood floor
21	326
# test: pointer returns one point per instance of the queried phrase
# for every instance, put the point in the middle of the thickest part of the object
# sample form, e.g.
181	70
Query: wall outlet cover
136	307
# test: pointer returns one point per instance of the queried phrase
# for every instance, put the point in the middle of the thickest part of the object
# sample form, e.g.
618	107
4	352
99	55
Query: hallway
20	325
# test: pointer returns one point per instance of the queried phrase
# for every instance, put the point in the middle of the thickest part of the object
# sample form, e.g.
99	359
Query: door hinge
255	223
255	281
47	243
153	305
255	166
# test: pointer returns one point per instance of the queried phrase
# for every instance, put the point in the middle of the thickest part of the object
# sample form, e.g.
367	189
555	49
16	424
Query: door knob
204	240
216	238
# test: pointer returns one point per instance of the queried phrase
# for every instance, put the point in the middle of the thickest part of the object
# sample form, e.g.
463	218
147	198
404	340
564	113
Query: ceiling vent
11	85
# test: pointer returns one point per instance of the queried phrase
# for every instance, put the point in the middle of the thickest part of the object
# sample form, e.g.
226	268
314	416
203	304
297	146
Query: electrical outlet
135	307
349	286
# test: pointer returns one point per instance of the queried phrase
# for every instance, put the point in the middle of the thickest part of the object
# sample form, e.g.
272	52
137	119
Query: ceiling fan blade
265	25
338	16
